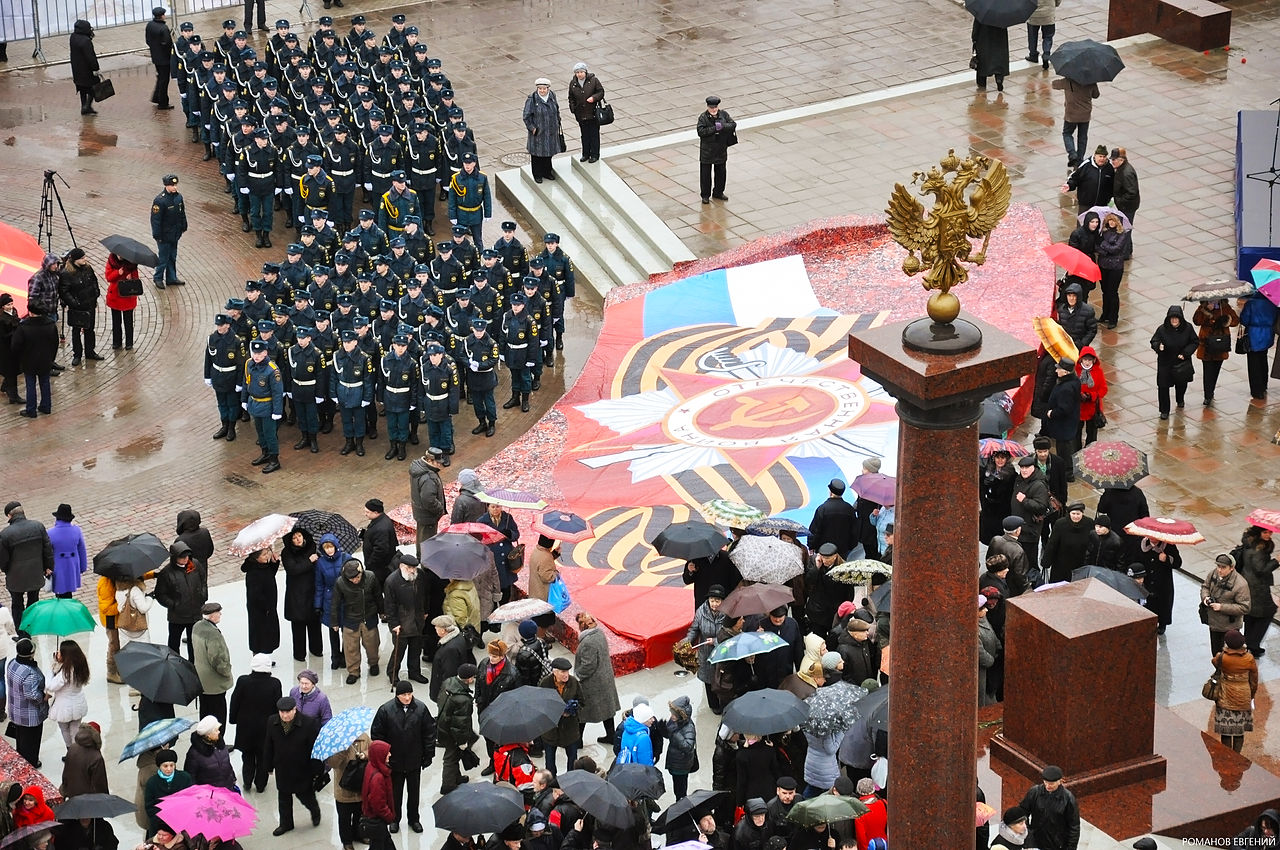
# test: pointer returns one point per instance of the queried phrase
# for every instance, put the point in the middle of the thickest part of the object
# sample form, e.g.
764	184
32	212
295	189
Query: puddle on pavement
138	455
92	144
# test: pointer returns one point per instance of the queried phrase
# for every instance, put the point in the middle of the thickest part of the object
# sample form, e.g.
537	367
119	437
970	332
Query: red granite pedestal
1081	664
932	712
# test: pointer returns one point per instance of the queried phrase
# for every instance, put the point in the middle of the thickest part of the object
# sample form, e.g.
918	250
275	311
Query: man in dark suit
834	522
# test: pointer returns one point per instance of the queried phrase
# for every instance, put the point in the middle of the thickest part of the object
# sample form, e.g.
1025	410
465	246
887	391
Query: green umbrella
826	808
57	617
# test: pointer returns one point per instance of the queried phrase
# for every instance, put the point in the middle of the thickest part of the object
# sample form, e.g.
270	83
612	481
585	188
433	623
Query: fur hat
498	647
165	755
207	725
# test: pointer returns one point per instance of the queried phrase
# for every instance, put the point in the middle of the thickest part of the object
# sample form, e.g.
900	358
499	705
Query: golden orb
943	307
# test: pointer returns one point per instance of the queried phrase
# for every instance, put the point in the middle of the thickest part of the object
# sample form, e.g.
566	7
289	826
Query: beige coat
1233	593
1239	679
463	603
542	571
1045	13
338	762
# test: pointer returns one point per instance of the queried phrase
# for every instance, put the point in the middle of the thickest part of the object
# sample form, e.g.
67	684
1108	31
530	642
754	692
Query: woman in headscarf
1115	245
1085	240
542	121
1174	342
1238	680
261	600
84	65
329	563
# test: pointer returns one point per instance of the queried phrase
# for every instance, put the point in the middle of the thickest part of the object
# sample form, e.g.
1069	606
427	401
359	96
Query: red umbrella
1165	529
1074	261
1263	518
1111	463
20	258
486	534
989	446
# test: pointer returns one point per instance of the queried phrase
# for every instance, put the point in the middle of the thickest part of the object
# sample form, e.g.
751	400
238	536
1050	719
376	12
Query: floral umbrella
1219	288
1165	529
729	513
859	571
766	559
261	533
833	708
1111	463
746	645
341	730
519	610
1263	518
776	525
990	445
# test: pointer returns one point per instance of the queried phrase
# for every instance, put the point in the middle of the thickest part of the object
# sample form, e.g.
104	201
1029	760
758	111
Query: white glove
319	401
230	177
208	382
334	400
245	405
275	416
288	191
278	191
412	407
288	395
302	219
364	404
239	389
474	365
453	221
244	191
368	187
529	365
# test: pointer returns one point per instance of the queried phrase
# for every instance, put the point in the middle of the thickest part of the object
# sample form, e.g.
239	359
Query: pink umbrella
1266	276
1263	518
209	811
486	534
876	487
1165	529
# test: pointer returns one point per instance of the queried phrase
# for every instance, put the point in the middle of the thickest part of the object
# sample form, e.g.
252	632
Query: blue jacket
351	378
635	737
327	572
69	556
470	200
1259	317
263	391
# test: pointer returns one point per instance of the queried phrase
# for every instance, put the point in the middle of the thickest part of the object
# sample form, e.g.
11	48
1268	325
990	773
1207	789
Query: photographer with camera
1224	600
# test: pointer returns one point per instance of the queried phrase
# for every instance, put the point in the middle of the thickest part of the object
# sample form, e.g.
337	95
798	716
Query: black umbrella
94	806
882	597
127	248
317	523
693	806
874	708
159	673
131	557
993	419
597	797
637	780
26	831
1001	13
689	540
521	714
1087	62
455	556
765	712
478	807
1122	582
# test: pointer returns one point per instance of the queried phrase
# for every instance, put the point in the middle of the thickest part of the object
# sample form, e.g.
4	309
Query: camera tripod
49	194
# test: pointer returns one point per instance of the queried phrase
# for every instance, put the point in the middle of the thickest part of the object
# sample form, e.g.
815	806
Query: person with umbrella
1077	112
706	625
990	53
165	781
122	277
1157	561
1043	22
1255	562
252	702
1115	247
347	800
566	734
1215	319
262	600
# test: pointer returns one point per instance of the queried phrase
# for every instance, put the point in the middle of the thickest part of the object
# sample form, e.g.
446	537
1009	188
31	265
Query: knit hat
351	569
1102	520
207	725
580	66
466	671
260	663
25	647
1015	814
528	628
498	647
831	663
642	713
1234	639
165	755
404	686
871	464
309	674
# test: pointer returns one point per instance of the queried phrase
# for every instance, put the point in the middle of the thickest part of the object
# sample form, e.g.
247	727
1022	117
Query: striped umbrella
729	513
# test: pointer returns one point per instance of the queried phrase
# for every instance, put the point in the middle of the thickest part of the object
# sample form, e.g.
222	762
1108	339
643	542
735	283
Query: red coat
116	270
1091	397
376	793
873	824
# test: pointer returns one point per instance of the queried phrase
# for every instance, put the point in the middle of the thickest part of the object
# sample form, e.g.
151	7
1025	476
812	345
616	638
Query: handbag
352	778
732	139
563	146
515	558
558	595
102	90
319	781
1212	688
1204	613
604	112
1242	342
1182	372
1217	343
1099	419
973	62
129	287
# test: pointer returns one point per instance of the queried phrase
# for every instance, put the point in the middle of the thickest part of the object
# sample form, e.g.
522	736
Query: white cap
260	663
642	713
207	725
542	81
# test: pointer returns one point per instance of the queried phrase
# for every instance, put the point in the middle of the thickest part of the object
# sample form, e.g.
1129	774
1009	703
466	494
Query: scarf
544	98
1149	545
1010	836
493	671
168	778
1086	376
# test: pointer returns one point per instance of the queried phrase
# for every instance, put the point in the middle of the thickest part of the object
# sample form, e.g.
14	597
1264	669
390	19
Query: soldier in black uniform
293	271
553	294
446	275
168	223
559	265
413	306
381	157
481	354
368	343
401	261
256	308
518	342
223	362
385	282
440	386
310	370
464	251
459	316
372	240
512	252
343	163
416	243
323	294
303	313
366	298
488	303
540	316
315	189
422	161
240	324
399	383
351	389
387	324
326	236
345	318
357	260
326	342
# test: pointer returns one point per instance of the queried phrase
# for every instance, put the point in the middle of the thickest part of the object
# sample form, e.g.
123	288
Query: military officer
372	239
366	298
422	157
559	265
399	385
470	201
518	342
351	389
343	164
295	273
368	343
446	275
501	281
401	261
168	223
481	353
416	243
512	253
552	293
310	371
382	156
326	342
387	284
240	324
460	314
465	251
263	399
323	294
484	297
326	236
256	308
440	387
303	315
387	325
345	318
223	364
274	290
396	203
314	189
413	306
540	316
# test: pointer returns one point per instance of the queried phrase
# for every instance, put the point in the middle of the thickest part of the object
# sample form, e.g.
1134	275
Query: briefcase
103	89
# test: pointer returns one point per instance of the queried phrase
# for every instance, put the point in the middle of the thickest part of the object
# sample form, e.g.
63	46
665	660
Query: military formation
367	317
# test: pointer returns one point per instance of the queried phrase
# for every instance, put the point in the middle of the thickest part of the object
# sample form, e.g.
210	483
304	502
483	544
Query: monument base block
1152	767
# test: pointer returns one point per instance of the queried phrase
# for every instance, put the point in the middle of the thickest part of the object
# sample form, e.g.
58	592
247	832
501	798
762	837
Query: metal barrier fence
38	19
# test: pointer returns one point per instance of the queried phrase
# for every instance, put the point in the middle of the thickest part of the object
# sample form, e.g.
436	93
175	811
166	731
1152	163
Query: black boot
348	447
488	431
266	241
559	341
391	451
272	465
257	243
245	226
400	451
511	402
231	431
444	461
208	153
303	442
537	383
315	444
222	432
261	459
479	429
413	431
244	415
290	415
326	424
360	446
524	402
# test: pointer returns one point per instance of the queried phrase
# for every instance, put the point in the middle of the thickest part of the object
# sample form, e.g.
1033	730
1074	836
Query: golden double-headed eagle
939	244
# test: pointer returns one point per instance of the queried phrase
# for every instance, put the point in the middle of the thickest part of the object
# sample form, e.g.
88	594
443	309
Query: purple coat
315	704
69	556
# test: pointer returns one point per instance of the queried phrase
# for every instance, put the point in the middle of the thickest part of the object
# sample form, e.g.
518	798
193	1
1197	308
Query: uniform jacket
565	733
288	751
168	217
263	391
84	59
409	730
440	390
253	700
481	354
309	372
395	206
470	200
542	121
212	658
351	378
578	94
560	266
399	382
1233	593
1239	678
594	668
224	361
713	142
258	169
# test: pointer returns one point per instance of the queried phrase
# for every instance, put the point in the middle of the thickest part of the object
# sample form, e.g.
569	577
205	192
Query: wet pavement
128	444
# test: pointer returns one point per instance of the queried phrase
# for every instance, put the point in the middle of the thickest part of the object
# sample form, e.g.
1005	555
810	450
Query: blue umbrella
155	734
746	645
339	733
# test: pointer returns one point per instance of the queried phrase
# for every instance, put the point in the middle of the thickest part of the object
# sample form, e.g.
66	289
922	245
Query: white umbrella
767	559
261	533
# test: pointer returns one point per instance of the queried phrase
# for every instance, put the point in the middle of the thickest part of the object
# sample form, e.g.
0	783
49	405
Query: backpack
352	778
